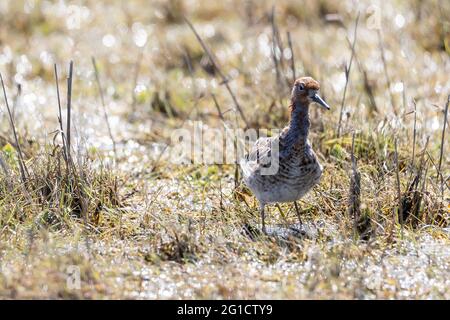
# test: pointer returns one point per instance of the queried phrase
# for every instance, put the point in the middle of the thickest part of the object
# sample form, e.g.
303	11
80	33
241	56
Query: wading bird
297	166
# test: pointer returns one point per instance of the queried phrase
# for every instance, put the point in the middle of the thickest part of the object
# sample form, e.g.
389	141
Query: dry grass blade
386	74
137	69
412	197
69	108
16	99
60	121
361	223
188	62
439	173
442	144
278	49
222	75
22	166
347	75
399	192
294	76
275	49
105	112
368	88
414	133
219	110
235	142
355	182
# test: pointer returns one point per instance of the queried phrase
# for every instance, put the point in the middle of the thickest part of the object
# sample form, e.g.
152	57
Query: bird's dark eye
301	86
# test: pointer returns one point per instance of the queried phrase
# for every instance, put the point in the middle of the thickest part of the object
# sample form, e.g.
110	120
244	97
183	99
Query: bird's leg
298	213
261	211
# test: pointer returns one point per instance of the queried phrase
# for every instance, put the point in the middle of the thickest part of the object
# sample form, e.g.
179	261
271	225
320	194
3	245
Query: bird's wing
267	147
263	154
251	161
260	151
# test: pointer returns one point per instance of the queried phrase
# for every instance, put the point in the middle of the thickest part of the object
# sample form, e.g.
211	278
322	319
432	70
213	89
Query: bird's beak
316	98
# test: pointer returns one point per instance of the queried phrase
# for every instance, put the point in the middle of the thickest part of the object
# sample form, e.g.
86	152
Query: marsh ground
144	227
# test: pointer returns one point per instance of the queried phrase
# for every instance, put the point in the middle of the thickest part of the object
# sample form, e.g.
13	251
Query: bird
283	168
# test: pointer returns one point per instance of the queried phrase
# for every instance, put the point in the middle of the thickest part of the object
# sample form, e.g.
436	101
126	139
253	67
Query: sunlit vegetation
97	190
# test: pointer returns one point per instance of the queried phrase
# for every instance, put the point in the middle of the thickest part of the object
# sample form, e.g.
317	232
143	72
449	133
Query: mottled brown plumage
290	153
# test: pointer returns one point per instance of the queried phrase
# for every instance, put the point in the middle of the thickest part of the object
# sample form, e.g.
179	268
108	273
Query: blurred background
149	59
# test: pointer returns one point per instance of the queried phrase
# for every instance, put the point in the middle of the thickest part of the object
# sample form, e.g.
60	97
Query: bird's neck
299	123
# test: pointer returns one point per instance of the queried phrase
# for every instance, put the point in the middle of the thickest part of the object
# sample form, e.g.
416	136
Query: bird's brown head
305	91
